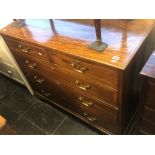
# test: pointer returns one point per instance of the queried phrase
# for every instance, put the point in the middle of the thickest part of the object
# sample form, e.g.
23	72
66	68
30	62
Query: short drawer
108	76
9	71
149	114
25	48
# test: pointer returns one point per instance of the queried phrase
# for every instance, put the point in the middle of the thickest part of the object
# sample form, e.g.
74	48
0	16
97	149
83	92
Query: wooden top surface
74	36
149	68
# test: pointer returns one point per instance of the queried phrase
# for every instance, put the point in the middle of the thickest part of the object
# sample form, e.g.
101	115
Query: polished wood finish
99	88
26	48
74	36
147	102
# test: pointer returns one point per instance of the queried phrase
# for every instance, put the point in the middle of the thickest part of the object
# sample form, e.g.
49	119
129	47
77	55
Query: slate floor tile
30	116
19	101
44	116
7	84
73	127
25	127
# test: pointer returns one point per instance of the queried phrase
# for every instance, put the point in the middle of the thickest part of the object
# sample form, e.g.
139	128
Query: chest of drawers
147	114
99	88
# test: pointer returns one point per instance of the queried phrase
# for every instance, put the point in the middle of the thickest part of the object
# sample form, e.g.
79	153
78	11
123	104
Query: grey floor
30	116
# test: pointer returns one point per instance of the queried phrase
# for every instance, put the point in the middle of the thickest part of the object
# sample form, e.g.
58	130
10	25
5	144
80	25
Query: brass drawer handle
39	53
31	65
23	49
78	68
90	118
45	94
52	68
85	103
81	86
38	80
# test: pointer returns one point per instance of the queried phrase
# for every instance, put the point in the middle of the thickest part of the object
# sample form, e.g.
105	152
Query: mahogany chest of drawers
99	88
147	121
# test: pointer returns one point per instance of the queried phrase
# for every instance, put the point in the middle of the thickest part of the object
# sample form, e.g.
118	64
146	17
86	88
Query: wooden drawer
10	71
87	87
103	117
148	126
149	114
30	63
106	75
48	91
88	109
26	48
150	95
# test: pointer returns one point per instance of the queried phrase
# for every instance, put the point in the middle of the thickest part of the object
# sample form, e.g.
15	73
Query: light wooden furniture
8	65
100	88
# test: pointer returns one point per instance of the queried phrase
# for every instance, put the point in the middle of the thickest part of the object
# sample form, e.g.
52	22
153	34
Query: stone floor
30	116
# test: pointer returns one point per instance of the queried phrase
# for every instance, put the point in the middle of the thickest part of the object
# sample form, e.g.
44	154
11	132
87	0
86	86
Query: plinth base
99	47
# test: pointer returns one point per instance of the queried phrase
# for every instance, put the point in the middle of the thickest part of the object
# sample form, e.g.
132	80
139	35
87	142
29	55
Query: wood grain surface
122	36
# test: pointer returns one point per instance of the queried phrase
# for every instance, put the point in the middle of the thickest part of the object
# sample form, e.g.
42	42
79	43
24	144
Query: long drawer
106	75
17	46
30	63
92	111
